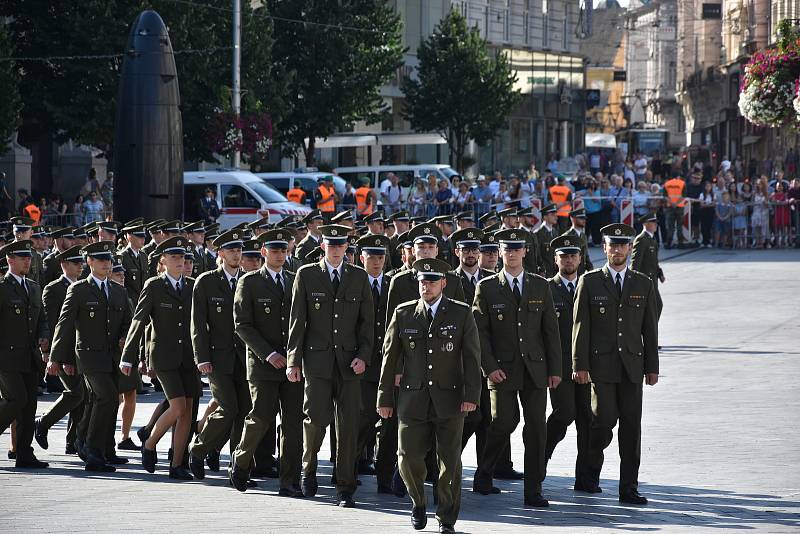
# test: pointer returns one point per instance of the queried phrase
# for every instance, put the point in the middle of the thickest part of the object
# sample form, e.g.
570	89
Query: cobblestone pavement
719	443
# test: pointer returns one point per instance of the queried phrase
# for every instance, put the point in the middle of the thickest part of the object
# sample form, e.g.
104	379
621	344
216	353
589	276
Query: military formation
397	337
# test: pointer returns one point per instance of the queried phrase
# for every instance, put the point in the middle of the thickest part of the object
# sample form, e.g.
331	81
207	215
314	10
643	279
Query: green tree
461	91
76	98
338	60
9	87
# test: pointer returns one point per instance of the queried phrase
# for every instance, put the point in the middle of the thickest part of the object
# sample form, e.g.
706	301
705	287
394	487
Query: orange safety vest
327	201
674	189
560	196
296	195
363	205
34	213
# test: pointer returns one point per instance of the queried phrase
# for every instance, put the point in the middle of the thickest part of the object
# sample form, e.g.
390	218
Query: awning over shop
600	140
411	139
362	140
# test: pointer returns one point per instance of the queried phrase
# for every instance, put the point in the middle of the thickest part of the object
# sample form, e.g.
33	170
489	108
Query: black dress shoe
197	466
238	478
12	455
30	463
309	485
446	528
251	483
270	472
537	501
508	474
632	497
113	459
149	459
70	449
485	488
143	433
143	392
127	444
345	500
212	460
95	461
418	517
292	491
40	433
587	487
179	473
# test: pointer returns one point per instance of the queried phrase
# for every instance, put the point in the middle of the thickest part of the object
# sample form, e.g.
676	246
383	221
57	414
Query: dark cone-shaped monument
148	141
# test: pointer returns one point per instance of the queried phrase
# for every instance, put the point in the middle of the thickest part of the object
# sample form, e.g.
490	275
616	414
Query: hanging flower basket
250	134
796	101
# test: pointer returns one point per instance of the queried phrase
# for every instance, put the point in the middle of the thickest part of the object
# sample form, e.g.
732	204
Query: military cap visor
579	213
334	234
72	254
173	227
65	233
508	212
17	248
374	245
21	224
118	268
251	248
650	217
277	239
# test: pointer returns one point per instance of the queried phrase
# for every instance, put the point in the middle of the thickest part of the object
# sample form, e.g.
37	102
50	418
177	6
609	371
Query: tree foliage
460	91
336	73
9	87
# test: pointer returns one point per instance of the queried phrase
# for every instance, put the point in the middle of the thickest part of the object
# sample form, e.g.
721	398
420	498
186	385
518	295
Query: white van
242	197
309	182
407	174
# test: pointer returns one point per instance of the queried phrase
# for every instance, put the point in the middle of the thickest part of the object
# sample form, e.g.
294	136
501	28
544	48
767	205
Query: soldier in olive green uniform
219	353
570	401
644	255
373	257
578	231
544	235
63	239
425	238
25	333
432	352
165	304
134	259
312	221
71	400
521	358
166	230
615	345
89	335
401	221
197	233
261	315
331	339
445	225
532	261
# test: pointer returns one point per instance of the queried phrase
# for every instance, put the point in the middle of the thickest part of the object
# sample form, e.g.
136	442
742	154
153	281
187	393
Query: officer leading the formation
331	340
615	346
432	353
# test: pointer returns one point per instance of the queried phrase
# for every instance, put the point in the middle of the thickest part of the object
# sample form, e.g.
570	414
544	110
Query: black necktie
103	290
233	284
278	282
474	280
619	285
335	280
178	287
429	315
571	289
376	293
23	285
517	292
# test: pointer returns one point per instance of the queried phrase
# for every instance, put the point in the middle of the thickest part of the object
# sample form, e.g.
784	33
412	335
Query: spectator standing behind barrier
77	212
464	197
107	192
417	197
760	219
641	200
482	196
93	208
739	222
793	196
593	206
91	184
724	212
693	190
349	197
391	194
782	222
501	198
444	198
706	210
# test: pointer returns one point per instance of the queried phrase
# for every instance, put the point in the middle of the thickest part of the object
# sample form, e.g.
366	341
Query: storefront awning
345	141
411	139
361	140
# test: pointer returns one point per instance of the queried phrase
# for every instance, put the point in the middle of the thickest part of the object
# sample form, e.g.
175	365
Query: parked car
242	197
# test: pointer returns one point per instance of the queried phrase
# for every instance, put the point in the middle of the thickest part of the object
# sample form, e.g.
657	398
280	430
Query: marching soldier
165	304
446	226
489	252
401	221
292	264
197	233
261	316
345	218
251	255
403	288
330	344
63	239
578	230
432	353
532	260
614	346
260	226
88	339
644	255
544	235
373	258
134	260
570	401
25	334
521	358
71	400
376	225
219	353
405	249
167	230
312	221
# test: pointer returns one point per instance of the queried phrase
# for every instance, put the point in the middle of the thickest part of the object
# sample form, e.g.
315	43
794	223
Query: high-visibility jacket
33	212
560	197
674	189
327	200
296	195
363	204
